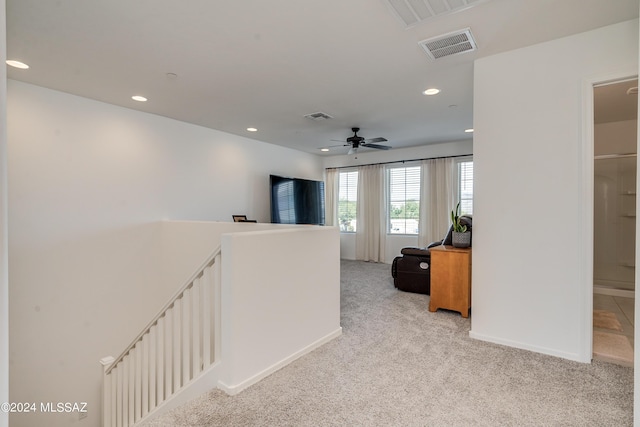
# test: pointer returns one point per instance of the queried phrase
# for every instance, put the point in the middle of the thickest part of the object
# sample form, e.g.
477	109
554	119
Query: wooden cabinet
451	279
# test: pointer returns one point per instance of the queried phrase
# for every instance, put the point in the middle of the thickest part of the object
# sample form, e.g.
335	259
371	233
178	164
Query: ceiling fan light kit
354	142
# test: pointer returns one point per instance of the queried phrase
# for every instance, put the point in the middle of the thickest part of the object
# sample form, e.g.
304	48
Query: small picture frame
239	218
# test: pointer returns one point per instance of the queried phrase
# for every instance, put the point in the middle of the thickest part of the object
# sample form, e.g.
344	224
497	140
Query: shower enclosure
614	224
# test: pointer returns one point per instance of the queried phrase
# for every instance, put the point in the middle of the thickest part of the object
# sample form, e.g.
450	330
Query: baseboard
536	349
235	389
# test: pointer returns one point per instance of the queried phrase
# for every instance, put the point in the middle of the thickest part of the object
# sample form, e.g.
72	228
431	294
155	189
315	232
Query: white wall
529	279
187	244
281	299
4	239
615	137
394	243
88	182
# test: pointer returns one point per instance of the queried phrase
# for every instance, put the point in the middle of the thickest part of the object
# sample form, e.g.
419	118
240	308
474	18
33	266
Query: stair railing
176	347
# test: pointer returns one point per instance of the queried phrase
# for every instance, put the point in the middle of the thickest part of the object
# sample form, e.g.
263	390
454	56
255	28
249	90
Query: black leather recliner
411	272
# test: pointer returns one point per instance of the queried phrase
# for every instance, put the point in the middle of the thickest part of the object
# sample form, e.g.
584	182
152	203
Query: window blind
404	200
465	176
347	198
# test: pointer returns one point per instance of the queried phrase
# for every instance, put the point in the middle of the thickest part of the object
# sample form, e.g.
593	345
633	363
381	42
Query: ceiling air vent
412	12
449	44
318	116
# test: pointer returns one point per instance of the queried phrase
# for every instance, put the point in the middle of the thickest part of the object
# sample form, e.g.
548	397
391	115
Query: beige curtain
331	197
371	214
437	199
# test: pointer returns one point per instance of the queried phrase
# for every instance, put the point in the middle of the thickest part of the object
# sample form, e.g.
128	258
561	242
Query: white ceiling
266	64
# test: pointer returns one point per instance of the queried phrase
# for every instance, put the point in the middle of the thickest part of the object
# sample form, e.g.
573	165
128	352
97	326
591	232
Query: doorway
614	220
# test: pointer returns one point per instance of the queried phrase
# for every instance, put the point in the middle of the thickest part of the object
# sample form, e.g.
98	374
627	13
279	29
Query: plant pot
461	240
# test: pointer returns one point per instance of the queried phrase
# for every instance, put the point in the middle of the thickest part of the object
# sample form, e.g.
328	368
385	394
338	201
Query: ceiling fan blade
379	147
379	139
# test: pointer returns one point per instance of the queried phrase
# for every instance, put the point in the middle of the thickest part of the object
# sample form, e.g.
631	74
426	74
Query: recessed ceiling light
324	149
469	130
431	91
17	64
139	98
252	129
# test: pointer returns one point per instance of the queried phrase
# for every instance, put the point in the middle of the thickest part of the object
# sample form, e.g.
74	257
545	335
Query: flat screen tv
296	201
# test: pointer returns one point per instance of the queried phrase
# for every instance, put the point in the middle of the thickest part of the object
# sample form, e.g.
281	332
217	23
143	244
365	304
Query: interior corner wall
88	185
4	239
528	164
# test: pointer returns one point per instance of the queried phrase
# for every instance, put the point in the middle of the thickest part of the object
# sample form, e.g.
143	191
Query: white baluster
177	343
168	355
206	317
137	403
115	387
217	312
145	374
119	389
132	386
109	383
153	367
196	364
125	391
160	360
186	336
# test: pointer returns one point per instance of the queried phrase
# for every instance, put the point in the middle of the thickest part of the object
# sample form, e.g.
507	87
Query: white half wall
281	299
89	184
530	284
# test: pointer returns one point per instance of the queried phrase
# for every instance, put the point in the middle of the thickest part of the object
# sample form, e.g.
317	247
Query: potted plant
460	237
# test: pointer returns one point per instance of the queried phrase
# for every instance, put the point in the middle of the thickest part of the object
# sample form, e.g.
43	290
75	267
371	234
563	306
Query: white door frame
586	219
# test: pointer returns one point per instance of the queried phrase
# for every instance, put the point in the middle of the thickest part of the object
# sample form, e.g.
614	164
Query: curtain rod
402	161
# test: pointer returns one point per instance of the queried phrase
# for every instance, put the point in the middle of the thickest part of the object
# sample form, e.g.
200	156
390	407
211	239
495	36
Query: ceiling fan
356	141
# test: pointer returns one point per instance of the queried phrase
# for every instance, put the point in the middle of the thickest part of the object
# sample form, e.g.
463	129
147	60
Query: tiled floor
613	345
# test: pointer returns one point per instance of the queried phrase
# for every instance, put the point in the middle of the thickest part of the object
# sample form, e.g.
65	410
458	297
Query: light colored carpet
397	364
604	319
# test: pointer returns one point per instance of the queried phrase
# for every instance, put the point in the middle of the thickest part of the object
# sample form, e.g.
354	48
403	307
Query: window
465	186
347	198
404	200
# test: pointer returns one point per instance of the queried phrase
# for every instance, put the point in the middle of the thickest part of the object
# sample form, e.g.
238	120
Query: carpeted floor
397	364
